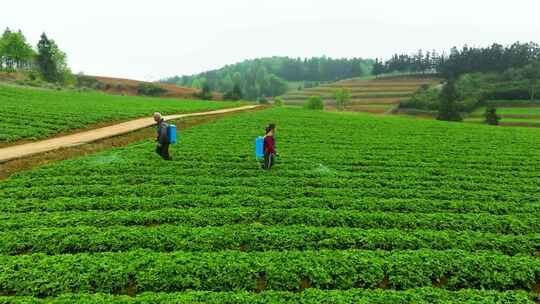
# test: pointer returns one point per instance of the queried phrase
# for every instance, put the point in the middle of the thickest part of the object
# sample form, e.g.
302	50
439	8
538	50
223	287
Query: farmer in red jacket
269	147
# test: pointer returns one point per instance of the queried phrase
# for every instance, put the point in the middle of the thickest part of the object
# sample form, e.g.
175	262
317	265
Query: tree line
270	76
495	58
44	62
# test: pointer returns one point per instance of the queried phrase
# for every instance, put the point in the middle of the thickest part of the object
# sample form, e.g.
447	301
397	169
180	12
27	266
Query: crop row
42	275
199	200
200	217
254	238
359	181
436	191
466	169
354	95
346	175
309	296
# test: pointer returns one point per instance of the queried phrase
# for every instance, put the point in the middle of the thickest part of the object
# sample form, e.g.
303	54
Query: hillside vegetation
29	113
130	87
511	112
268	77
376	95
370	209
509	93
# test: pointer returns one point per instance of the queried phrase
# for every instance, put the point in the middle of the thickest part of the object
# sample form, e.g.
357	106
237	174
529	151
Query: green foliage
150	89
359	209
52	63
342	97
495	58
239	271
84	81
448	109
205	93
31	114
278	101
15	53
314	103
427	295
262	100
424	99
473	91
491	116
253	238
269	76
235	94
311	84
531	73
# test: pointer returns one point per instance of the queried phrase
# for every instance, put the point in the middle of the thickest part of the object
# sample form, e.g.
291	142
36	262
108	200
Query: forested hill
269	76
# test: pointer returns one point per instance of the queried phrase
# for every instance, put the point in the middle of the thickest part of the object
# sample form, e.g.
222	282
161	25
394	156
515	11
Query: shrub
448	108
262	100
491	116
314	103
150	89
235	94
89	82
422	99
205	93
278	101
342	97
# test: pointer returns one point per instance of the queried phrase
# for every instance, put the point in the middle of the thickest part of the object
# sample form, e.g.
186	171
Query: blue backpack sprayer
171	133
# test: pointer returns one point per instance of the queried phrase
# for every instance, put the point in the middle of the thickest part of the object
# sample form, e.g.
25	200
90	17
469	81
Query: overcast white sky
152	39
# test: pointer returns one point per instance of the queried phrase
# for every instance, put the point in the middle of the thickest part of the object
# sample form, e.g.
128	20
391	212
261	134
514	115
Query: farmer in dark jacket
269	147
162	138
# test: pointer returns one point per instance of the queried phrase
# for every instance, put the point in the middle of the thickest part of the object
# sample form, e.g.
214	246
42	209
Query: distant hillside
117	86
376	95
132	87
267	77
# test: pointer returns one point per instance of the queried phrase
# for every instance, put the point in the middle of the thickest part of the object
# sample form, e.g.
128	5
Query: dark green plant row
140	270
355	180
364	203
253	238
309	296
201	217
409	190
72	185
369	164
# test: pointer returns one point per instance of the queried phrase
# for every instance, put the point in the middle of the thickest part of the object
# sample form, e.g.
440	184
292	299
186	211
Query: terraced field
38	113
358	208
367	95
512	113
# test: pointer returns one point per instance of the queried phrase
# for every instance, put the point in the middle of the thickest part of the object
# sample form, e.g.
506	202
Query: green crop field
376	95
38	113
358	209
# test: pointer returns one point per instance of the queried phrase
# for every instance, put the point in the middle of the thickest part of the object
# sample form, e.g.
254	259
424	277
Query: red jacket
269	145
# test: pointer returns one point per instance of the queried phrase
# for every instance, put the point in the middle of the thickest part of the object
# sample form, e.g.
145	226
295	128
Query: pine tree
46	59
206	92
491	116
378	68
447	107
237	92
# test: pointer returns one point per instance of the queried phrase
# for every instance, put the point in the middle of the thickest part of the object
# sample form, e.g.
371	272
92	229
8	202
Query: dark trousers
268	161
163	151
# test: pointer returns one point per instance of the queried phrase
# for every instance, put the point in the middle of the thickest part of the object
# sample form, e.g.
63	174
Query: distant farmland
367	95
519	113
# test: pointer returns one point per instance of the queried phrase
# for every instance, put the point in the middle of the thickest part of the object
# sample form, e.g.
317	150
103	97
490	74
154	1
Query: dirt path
24	150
